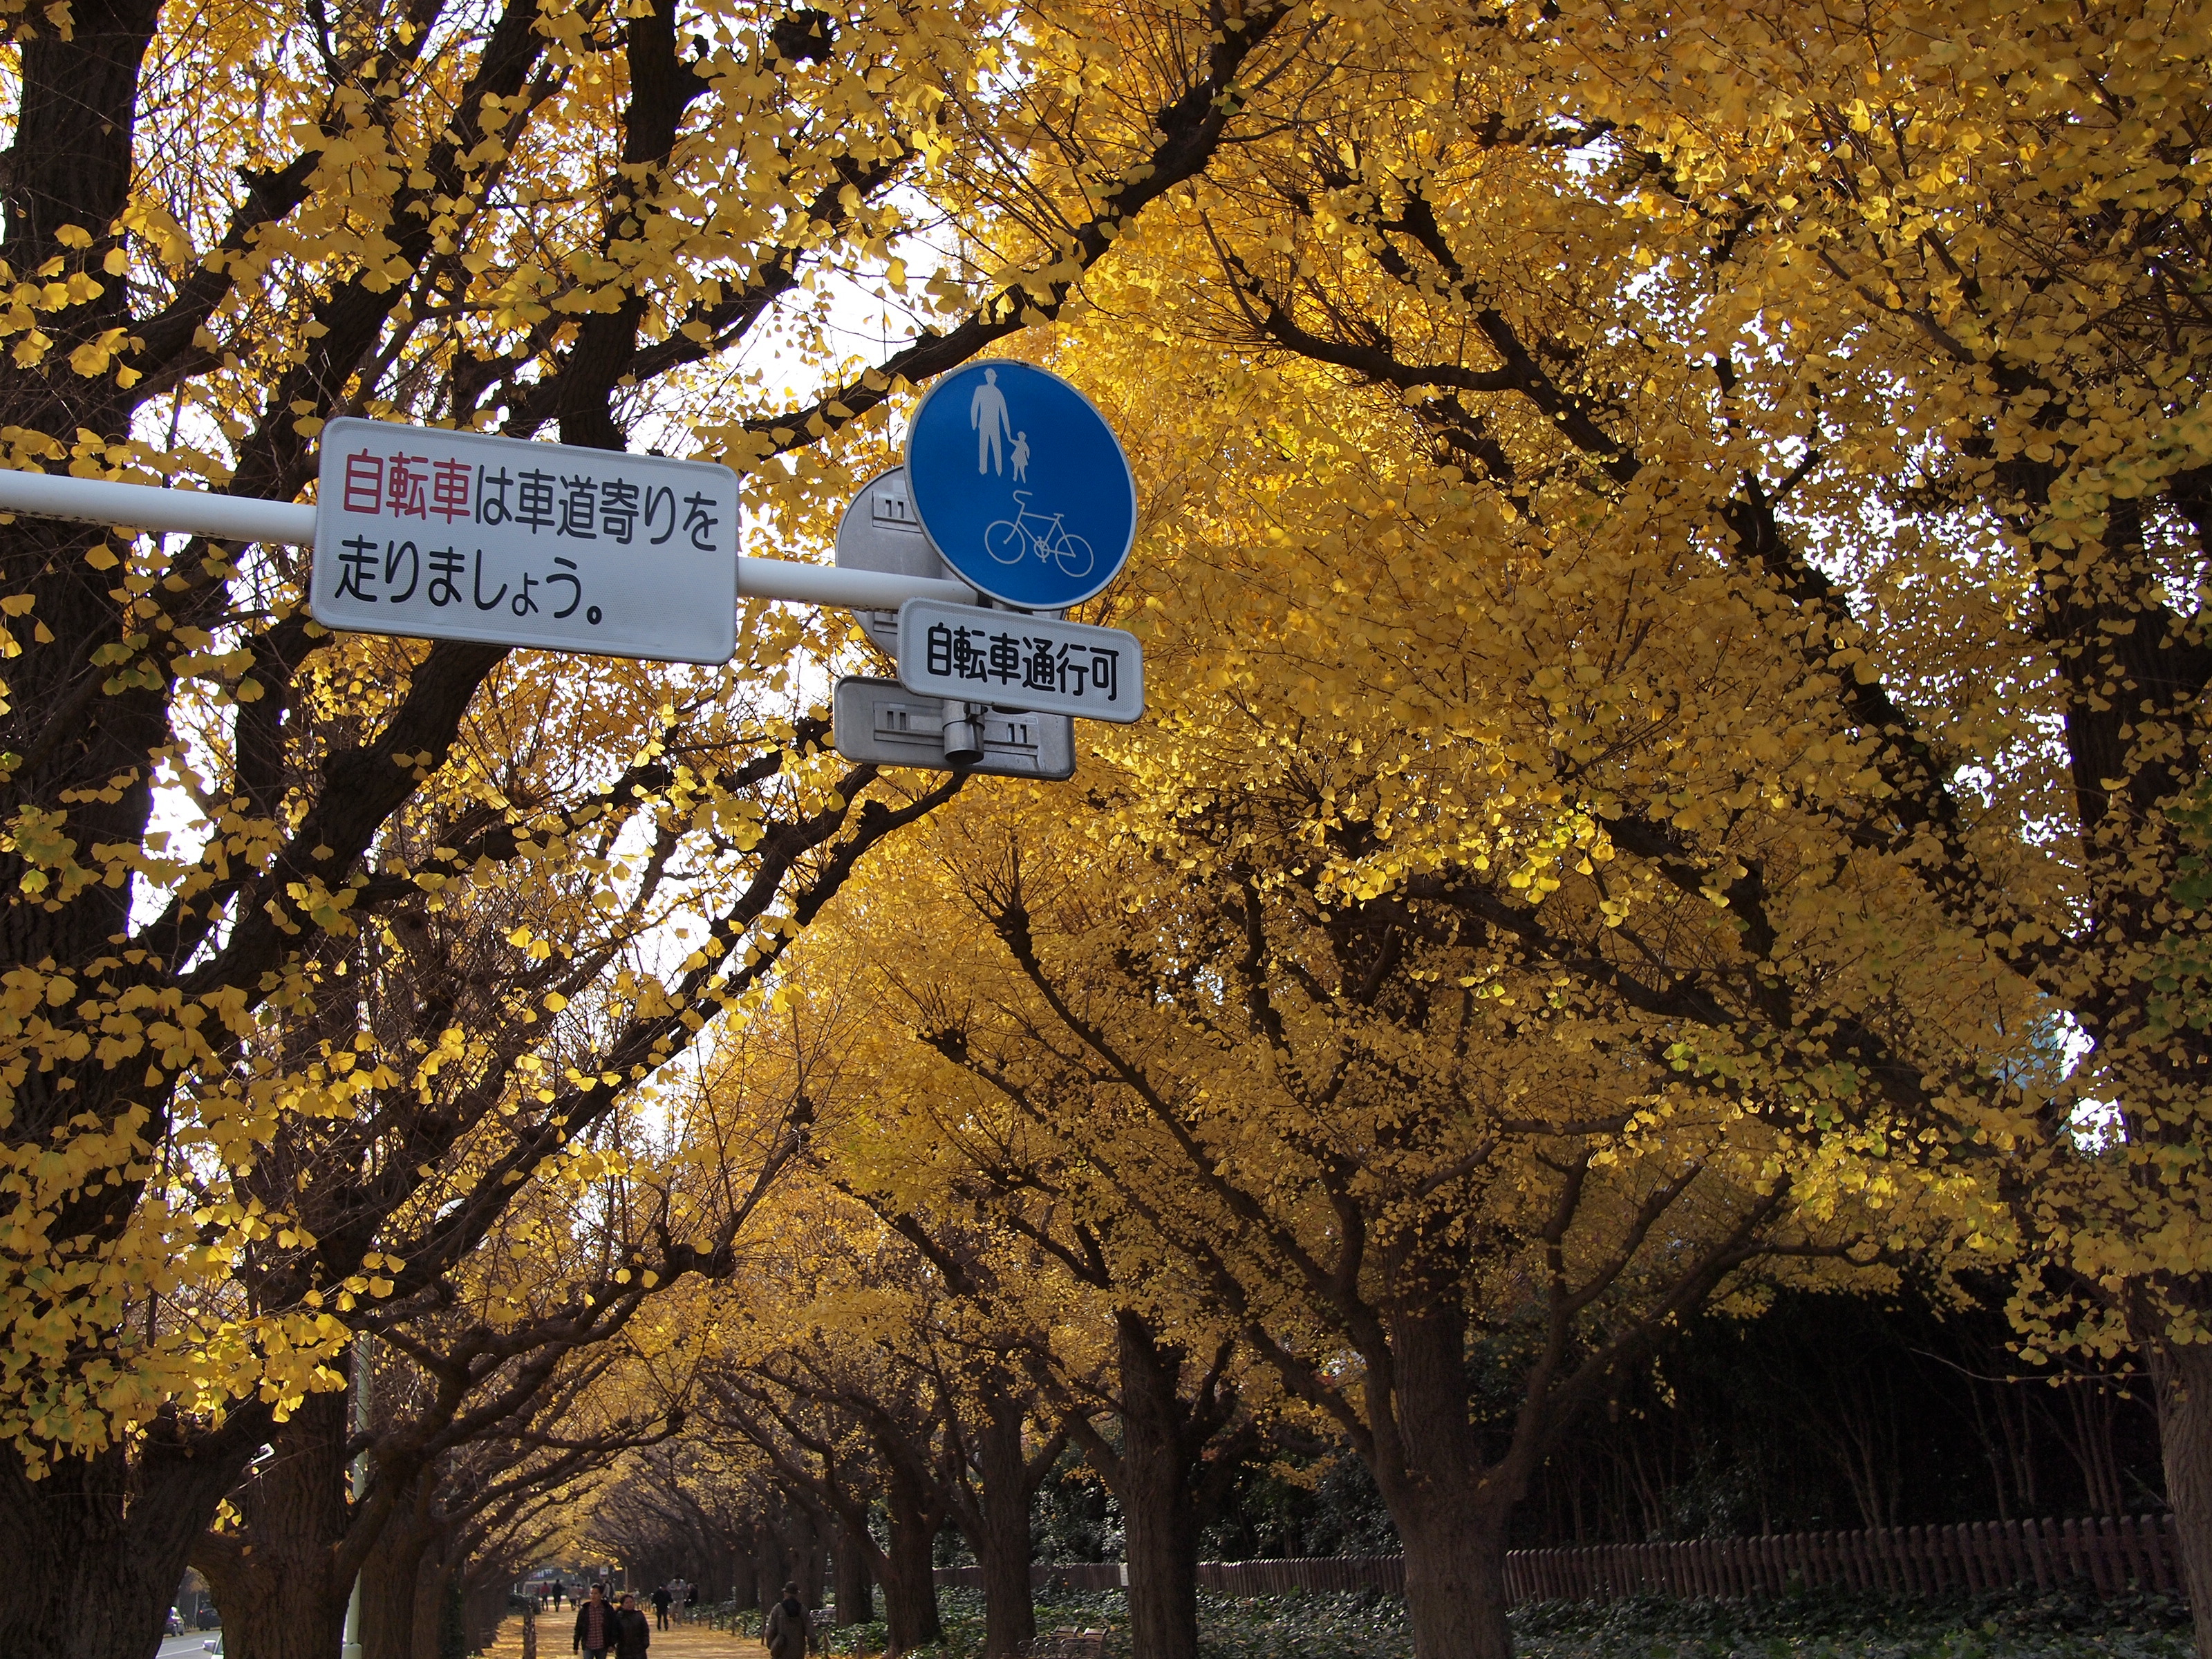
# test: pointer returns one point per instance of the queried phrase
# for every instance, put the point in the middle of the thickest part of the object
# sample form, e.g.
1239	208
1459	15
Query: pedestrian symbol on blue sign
1022	485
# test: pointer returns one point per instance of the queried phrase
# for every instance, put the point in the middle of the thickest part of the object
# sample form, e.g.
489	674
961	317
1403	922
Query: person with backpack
787	1635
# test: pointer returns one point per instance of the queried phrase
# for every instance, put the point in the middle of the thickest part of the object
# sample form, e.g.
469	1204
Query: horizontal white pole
854	590
141	507
244	518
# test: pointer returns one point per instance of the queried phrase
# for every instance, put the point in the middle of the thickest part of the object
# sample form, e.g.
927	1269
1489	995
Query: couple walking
674	1594
606	1632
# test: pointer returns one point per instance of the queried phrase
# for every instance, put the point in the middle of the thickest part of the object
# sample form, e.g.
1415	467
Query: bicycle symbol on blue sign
1008	540
990	444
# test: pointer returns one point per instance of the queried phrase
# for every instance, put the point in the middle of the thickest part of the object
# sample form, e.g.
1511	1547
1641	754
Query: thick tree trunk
274	1581
1455	1583
1450	1509
856	1602
803	1546
909	1569
771	1564
1002	1543
2183	1379
96	1548
388	1595
1159	1504
430	1575
745	1588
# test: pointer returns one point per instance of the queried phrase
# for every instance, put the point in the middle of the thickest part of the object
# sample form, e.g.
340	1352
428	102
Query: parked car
209	1618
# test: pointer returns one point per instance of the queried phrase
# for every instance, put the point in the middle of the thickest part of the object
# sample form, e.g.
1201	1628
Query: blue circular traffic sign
1017	477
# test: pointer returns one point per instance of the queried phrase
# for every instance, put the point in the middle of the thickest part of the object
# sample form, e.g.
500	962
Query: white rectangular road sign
459	536
1010	659
881	723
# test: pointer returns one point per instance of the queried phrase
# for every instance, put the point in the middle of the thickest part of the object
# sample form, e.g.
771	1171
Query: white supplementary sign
1010	659
456	535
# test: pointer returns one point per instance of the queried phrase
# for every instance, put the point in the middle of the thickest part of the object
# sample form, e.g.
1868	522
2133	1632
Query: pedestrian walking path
680	1642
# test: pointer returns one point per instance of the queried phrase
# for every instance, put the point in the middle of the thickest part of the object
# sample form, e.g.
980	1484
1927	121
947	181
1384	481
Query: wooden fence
2108	1556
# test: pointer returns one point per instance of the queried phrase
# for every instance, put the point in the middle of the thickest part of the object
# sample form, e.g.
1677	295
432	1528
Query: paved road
187	1646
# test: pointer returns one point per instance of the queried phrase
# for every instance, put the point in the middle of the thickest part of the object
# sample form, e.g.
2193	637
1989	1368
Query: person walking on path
690	1601
595	1625
633	1635
787	1635
557	1594
661	1598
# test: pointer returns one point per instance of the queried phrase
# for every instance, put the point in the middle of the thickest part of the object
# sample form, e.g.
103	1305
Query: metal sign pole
244	518
1015	491
185	511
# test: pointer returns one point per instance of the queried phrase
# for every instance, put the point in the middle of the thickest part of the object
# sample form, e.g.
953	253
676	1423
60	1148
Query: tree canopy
1672	568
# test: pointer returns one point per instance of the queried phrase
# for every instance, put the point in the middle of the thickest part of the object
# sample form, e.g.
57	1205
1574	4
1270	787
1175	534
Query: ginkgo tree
1741	473
226	226
1137	1361
1446	1200
460	1346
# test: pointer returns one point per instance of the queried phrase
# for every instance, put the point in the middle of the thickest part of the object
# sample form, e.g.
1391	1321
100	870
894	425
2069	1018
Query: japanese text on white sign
454	535
1016	662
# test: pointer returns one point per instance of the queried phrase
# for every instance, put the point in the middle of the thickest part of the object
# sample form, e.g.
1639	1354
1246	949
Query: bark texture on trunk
430	1594
274	1583
95	1549
1158	1493
771	1566
856	1602
803	1543
2183	1379
390	1602
388	1586
1449	1508
1002	1539
1455	1584
910	1567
